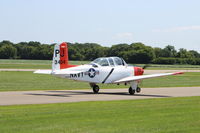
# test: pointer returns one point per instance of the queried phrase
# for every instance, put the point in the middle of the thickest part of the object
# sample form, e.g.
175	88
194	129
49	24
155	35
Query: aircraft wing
135	78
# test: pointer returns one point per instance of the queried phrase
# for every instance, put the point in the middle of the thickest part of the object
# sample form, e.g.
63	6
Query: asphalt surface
65	96
43	97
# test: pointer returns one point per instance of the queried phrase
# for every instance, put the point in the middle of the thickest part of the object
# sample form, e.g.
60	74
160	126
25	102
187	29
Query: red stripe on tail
64	56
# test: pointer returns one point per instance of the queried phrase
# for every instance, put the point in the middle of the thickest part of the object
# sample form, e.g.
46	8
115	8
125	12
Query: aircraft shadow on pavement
72	93
43	94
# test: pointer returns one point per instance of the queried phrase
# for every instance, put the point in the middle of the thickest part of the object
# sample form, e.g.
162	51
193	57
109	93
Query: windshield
101	61
109	61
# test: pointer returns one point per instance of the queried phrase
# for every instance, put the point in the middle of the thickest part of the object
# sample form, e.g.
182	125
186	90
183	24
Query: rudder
60	57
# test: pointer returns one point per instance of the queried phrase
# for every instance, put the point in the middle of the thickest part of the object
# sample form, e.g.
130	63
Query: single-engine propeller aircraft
105	70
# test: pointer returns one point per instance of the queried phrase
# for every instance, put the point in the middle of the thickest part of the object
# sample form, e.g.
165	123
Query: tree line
132	53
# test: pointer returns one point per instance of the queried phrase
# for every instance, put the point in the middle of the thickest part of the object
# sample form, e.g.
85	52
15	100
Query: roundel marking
91	72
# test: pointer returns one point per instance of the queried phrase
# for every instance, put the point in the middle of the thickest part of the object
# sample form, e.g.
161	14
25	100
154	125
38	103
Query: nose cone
138	71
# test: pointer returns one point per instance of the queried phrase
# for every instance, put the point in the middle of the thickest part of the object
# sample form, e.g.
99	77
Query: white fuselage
100	74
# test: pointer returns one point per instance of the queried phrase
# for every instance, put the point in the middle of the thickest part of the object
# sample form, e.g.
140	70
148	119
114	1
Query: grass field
170	67
46	64
31	64
18	81
163	115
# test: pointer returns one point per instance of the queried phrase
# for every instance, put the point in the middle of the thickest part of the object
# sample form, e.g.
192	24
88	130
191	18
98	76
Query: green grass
11	61
31	64
188	79
163	115
25	66
170	67
173	68
18	81
46	64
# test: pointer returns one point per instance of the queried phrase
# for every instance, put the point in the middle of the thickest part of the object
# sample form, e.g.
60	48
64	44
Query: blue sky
154	22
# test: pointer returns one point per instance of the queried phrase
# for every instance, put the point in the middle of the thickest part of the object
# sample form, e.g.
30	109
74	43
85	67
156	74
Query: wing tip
177	73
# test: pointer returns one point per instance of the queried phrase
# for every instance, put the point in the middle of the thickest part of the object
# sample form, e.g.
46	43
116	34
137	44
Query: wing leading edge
135	78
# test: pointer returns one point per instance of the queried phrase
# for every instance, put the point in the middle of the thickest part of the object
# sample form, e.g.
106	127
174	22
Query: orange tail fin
60	57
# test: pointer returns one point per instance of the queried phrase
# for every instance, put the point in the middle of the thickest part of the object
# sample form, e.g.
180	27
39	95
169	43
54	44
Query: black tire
138	89
131	91
96	89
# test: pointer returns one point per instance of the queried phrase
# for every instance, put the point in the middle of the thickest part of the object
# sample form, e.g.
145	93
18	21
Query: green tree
158	52
5	42
169	51
139	53
183	53
117	50
194	53
8	52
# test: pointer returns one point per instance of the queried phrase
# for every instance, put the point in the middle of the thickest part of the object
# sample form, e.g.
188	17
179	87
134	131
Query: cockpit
108	61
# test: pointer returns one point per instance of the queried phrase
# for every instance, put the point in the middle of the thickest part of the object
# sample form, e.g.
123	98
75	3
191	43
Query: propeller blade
146	66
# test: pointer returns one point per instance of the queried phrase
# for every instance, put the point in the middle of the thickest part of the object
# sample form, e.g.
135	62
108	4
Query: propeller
146	66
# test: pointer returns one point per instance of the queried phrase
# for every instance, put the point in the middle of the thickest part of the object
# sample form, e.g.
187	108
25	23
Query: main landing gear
95	88
134	88
132	91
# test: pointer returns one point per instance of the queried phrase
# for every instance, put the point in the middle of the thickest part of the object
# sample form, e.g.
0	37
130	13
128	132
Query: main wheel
131	91
138	89
95	89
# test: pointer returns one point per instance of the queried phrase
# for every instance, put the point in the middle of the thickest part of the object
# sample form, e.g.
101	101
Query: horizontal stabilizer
43	71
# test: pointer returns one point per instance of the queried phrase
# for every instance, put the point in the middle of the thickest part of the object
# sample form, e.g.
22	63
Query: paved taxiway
62	96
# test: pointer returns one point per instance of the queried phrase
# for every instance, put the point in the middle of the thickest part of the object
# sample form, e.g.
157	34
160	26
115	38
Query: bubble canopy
109	61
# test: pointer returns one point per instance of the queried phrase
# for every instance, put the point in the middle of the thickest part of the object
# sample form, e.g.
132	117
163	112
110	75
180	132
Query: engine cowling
138	71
